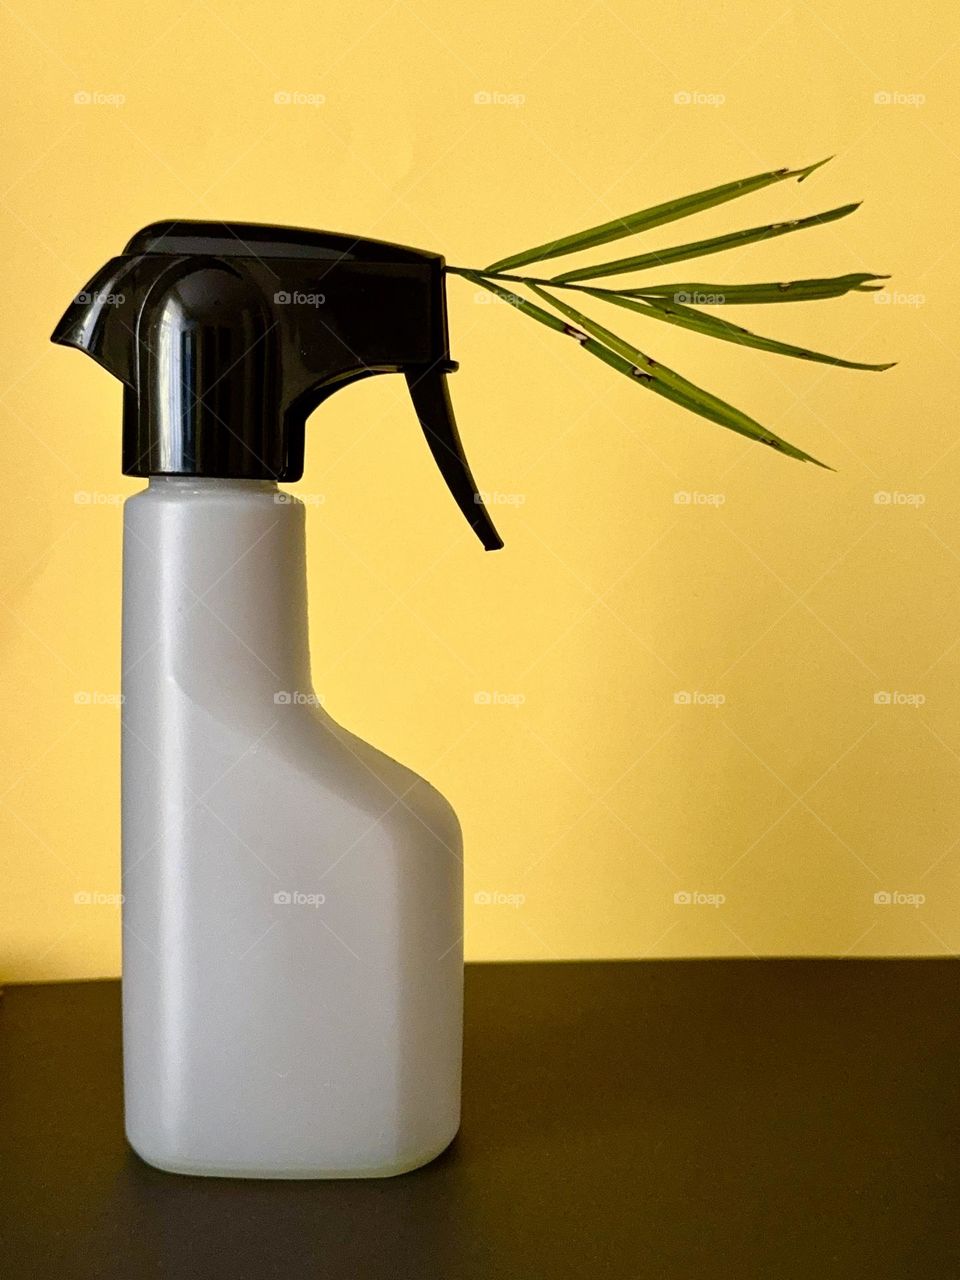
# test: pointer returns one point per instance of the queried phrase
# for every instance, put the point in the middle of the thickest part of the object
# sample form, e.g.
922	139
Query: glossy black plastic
227	336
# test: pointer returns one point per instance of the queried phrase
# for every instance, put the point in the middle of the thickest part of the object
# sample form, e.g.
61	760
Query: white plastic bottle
292	915
292	953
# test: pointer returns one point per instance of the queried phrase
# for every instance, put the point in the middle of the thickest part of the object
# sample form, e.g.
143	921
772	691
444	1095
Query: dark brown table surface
700	1118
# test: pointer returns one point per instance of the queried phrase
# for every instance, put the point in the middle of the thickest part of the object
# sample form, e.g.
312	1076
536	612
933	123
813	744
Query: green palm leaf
655	216
701	248
720	295
714	327
669	303
641	369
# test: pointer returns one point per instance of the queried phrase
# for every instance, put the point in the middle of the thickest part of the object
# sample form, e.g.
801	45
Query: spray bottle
292	963
292	914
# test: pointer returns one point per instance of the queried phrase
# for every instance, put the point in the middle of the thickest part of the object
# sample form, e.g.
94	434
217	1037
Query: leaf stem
502	275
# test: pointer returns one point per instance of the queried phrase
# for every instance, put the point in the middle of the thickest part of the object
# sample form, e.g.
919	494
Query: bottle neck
215	582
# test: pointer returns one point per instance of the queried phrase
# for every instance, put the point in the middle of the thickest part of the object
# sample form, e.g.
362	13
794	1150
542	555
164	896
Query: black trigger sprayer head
227	336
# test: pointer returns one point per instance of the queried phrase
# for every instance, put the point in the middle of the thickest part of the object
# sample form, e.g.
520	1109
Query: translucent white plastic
292	917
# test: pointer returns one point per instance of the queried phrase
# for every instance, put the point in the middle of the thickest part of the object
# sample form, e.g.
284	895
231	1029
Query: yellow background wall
798	598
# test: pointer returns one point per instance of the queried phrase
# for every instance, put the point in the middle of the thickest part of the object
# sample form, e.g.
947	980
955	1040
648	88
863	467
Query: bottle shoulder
388	786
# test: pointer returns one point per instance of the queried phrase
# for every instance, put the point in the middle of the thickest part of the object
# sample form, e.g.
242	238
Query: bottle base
202	1169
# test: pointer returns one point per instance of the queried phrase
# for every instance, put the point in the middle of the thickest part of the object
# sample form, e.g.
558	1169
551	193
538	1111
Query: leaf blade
701	248
715	327
697	293
700	400
633	363
655	216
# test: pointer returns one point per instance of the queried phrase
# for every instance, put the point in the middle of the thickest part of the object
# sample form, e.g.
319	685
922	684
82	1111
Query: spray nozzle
227	336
